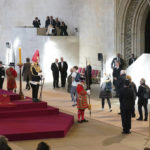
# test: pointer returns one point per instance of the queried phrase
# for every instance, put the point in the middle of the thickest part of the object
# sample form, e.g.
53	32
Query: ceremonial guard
82	103
11	75
2	75
36	76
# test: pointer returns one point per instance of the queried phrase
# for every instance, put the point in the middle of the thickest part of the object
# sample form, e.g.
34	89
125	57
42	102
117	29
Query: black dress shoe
119	113
79	121
145	119
133	116
139	119
126	132
84	120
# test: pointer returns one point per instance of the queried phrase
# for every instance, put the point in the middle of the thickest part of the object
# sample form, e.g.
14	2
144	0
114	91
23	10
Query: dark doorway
147	34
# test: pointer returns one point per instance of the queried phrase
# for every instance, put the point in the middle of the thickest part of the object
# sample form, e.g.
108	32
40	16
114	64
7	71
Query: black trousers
108	101
27	83
143	102
126	119
133	109
63	79
1	82
35	89
55	79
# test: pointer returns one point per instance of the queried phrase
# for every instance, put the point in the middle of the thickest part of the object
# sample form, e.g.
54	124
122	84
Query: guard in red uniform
82	103
11	75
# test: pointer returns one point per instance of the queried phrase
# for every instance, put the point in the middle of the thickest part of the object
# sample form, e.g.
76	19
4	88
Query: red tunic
82	97
11	75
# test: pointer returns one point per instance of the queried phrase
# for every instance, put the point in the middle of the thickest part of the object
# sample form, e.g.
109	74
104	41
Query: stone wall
93	18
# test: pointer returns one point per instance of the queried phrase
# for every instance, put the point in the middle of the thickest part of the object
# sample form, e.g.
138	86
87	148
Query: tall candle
20	61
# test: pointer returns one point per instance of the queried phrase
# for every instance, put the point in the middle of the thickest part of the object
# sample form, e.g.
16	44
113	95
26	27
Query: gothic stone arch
130	26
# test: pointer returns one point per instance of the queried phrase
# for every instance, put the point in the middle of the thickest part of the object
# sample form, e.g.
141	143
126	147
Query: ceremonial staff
88	85
42	84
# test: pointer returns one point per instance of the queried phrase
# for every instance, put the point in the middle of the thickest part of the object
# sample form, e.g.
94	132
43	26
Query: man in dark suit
55	70
63	67
116	75
36	23
132	59
119	59
27	73
2	75
126	99
47	22
52	21
88	76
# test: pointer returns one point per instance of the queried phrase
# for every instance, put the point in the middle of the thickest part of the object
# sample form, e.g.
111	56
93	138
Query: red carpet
28	120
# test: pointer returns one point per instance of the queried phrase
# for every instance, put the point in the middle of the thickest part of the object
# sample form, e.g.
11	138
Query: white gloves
88	92
40	74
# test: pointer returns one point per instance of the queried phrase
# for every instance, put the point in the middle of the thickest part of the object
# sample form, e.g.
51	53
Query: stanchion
20	89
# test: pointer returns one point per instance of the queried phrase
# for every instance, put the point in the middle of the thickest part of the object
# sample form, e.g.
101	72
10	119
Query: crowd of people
127	92
52	26
79	86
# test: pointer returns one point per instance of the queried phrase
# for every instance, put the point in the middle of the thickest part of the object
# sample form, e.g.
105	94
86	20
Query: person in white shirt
74	85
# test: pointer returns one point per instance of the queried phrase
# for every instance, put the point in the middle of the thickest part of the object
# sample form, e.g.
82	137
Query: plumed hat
35	57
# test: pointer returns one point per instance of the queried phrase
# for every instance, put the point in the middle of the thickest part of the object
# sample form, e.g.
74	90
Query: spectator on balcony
51	30
132	59
36	23
57	23
63	28
47	22
52	21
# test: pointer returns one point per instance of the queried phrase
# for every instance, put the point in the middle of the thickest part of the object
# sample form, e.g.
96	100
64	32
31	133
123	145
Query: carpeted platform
27	120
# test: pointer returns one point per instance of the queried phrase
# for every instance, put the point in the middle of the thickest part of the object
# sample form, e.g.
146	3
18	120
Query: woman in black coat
105	92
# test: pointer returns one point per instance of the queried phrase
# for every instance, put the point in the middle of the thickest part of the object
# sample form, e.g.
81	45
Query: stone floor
103	131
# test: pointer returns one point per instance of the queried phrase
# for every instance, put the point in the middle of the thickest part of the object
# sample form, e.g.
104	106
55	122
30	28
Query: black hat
82	79
12	64
127	82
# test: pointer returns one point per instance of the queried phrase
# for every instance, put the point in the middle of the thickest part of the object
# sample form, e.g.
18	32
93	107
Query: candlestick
20	61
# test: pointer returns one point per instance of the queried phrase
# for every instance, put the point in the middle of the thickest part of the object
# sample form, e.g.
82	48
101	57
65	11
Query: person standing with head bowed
63	67
36	76
55	71
2	75
11	75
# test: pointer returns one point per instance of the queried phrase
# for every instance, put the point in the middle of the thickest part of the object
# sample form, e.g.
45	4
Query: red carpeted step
29	112
39	127
25	105
26	120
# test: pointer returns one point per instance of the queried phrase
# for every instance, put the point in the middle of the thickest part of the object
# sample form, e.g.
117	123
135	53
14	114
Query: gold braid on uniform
36	67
